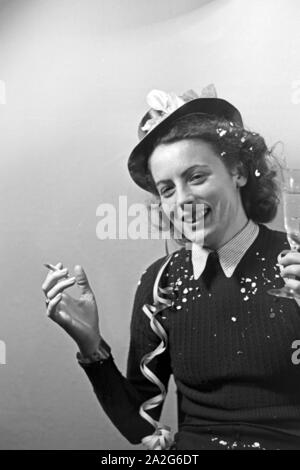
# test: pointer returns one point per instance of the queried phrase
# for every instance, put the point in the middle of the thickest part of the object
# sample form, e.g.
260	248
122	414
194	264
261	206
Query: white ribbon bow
163	104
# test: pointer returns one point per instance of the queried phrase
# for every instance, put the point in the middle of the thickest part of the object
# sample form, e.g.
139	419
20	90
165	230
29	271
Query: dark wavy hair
239	149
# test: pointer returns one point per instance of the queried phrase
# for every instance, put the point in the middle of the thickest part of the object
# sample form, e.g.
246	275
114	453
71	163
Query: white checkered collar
230	254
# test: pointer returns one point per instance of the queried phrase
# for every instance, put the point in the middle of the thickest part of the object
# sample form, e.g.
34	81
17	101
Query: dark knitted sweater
229	348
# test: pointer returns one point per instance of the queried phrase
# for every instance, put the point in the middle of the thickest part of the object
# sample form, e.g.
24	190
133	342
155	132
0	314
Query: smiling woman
202	314
218	164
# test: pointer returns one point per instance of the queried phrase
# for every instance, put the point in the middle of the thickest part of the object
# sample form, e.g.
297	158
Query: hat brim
209	107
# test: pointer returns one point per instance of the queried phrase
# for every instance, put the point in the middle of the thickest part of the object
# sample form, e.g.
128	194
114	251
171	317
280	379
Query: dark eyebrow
185	172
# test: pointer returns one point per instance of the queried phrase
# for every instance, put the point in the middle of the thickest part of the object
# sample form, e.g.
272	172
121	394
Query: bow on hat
163	104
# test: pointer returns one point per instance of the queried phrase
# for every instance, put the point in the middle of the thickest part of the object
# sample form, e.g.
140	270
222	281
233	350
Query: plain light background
76	73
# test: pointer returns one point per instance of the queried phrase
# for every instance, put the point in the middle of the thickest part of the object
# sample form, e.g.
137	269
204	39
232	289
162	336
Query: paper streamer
161	438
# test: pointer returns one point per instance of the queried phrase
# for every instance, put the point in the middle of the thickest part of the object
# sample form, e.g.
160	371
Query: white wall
76	74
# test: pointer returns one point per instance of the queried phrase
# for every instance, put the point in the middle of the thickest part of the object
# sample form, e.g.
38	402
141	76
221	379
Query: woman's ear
241	180
240	176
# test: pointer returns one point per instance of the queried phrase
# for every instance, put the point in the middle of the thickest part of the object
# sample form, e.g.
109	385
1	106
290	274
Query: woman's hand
79	318
289	263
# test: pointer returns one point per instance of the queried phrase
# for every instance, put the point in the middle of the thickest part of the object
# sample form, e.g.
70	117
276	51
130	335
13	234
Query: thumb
82	280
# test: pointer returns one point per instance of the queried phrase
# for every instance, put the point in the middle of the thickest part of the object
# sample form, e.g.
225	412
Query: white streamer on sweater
161	438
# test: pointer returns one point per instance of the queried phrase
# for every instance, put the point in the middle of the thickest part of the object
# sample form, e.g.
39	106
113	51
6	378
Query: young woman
202	313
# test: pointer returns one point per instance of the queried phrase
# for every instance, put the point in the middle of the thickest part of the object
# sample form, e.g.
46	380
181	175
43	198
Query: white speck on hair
233	319
179	307
184	299
223	443
256	444
257	173
253	284
239	353
185	291
246	298
243	290
223	154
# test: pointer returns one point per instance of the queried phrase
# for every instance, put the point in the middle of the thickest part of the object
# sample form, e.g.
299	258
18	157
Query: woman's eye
197	177
166	192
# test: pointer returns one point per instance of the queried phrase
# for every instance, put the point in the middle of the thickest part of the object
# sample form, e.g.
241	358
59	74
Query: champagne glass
291	211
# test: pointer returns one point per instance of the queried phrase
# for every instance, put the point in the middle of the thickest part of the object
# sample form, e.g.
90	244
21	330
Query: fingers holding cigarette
56	281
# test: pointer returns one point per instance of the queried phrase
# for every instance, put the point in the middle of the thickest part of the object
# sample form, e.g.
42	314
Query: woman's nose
184	196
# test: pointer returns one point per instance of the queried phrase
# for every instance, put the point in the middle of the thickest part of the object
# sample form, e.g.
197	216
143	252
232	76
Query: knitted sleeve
119	396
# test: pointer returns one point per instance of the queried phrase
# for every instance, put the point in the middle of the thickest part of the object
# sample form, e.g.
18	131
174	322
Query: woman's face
197	192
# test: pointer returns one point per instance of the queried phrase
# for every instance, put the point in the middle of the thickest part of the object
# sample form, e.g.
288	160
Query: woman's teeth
196	216
200	215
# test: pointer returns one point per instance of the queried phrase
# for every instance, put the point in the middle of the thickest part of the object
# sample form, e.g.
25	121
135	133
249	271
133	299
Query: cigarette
53	268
